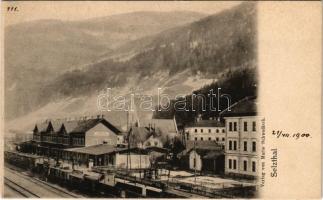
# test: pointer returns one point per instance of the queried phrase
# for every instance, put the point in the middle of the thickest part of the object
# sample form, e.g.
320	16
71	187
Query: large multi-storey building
206	130
242	139
76	133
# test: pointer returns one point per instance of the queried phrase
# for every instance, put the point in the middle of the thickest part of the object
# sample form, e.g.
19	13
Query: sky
80	10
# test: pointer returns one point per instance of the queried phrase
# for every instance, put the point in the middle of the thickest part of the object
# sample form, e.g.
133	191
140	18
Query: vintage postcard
161	99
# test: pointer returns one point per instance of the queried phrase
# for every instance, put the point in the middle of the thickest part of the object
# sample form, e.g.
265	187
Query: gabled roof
163	136
42	126
75	126
82	126
157	149
208	152
207	123
56	125
70	125
165	125
138	135
244	107
35	129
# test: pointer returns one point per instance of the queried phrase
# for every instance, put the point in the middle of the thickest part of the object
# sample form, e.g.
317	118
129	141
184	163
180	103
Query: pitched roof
157	149
207	123
56	125
70	125
162	135
96	149
42	126
81	126
244	107
208	152
133	150
138	135
213	154
165	125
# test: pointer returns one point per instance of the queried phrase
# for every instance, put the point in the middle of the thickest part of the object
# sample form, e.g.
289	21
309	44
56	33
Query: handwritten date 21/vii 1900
282	134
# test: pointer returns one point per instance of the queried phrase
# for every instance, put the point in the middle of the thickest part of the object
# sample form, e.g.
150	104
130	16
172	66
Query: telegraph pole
195	162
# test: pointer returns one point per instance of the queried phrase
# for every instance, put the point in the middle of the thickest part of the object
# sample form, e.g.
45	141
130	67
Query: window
245	126
156	143
254	148
195	130
148	144
234	145
230	164
201	138
245	146
217	139
230	145
217	130
66	141
230	126
209	139
253	126
78	141
234	164
201	130
223	139
253	166
223	130
209	130
195	138
235	126
245	166
194	163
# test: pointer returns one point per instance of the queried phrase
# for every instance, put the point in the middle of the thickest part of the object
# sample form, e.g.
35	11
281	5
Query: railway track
60	192
20	190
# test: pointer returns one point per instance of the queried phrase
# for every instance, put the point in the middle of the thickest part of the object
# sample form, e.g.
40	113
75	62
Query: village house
168	126
153	133
203	157
207	159
206	130
242	139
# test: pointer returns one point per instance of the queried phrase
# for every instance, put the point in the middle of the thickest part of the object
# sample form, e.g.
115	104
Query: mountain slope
38	51
209	46
179	60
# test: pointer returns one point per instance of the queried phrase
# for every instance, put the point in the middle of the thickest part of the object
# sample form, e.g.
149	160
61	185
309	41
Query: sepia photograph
144	99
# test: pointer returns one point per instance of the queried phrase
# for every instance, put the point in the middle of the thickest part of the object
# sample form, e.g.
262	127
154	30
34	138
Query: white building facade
206	130
242	145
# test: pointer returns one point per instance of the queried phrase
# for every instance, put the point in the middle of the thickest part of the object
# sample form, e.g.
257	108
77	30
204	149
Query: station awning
77	175
93	176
